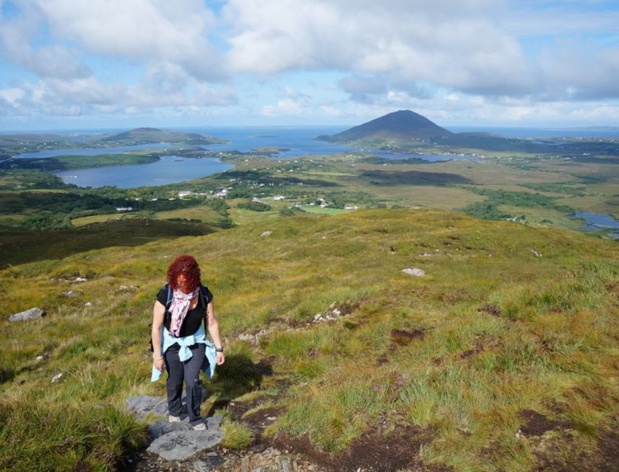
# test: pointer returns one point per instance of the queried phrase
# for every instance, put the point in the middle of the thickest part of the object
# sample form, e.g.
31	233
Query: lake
296	142
167	170
599	222
425	157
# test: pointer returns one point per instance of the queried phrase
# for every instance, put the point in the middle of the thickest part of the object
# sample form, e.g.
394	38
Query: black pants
189	372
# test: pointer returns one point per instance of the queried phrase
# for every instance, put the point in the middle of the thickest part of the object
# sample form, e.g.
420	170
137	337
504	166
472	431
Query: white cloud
139	28
295	103
469	46
347	58
16	38
453	43
362	88
141	31
88	96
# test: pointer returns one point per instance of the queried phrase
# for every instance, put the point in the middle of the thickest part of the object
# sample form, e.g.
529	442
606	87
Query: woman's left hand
221	358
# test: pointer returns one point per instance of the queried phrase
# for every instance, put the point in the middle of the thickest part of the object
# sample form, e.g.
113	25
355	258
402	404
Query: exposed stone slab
174	441
181	445
142	405
163	427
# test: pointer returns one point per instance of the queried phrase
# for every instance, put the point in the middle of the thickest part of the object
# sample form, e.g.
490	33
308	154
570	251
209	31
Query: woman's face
182	283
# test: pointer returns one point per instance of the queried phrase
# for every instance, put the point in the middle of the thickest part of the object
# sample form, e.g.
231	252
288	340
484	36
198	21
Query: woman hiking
179	338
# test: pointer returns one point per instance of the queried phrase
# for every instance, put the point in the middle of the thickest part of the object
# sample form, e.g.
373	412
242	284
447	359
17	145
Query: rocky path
175	447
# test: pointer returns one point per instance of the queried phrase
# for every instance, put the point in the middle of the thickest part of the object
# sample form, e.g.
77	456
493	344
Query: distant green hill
154	135
373	340
399	125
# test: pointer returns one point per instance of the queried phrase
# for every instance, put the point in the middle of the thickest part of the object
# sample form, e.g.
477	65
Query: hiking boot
174	419
199	427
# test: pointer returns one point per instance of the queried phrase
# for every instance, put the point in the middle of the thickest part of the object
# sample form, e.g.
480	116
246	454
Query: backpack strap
170	295
203	295
204	298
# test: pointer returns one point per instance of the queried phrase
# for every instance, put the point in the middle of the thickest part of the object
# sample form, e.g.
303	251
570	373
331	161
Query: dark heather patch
374	451
403	338
608	449
467	354
536	424
259	420
490	309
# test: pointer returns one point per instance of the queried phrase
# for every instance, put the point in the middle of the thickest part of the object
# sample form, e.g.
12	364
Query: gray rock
30	314
214	422
201	466
173	441
162	427
414	271
181	445
142	405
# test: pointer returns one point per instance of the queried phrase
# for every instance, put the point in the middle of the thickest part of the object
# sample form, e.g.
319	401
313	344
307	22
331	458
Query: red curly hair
187	266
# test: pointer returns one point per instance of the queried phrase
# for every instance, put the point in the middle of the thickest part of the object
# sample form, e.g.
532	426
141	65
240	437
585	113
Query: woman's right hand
158	314
159	364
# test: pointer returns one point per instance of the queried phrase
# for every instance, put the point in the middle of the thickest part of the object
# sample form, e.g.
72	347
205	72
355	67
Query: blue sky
80	64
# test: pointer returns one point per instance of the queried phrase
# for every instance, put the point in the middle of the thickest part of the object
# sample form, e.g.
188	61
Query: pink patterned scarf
179	309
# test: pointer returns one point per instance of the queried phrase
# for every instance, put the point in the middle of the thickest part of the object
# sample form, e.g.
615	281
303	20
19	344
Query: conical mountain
403	124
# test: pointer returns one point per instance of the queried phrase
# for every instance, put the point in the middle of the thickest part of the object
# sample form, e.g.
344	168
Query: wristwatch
219	349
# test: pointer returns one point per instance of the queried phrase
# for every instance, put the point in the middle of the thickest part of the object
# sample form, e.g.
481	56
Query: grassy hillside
503	356
20	246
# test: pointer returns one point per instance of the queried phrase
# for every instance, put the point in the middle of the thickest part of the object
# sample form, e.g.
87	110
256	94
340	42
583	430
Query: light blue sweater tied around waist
185	353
